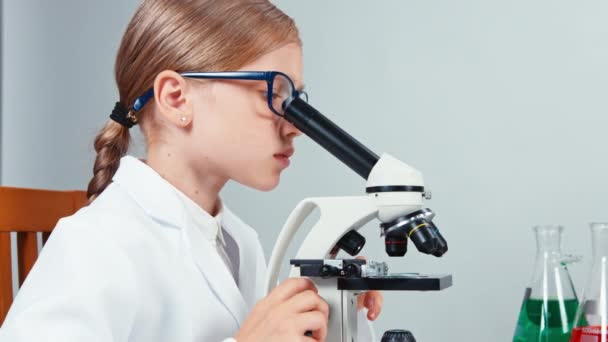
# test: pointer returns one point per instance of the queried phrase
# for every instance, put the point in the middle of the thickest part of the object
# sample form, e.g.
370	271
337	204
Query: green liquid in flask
550	323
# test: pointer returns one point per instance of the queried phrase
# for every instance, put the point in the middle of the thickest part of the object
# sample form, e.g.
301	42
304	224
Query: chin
268	185
263	183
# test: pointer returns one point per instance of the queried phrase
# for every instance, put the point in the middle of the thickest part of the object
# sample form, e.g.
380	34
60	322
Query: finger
372	298
374	305
308	301
379	305
369	304
314	321
361	300
365	300
289	288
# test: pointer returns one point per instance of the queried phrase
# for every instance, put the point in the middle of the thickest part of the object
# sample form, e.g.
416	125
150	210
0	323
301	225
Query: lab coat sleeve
82	288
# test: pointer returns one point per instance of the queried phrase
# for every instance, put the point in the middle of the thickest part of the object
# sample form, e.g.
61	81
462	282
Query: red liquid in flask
589	334
592	315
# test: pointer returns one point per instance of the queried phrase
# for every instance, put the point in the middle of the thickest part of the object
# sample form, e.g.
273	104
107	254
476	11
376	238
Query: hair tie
123	116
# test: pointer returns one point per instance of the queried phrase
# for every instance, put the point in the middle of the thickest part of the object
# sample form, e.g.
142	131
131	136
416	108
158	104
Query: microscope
394	195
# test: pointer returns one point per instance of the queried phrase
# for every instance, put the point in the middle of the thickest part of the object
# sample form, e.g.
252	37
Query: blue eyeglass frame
267	76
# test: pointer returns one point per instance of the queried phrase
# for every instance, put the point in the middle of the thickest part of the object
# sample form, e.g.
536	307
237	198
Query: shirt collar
211	226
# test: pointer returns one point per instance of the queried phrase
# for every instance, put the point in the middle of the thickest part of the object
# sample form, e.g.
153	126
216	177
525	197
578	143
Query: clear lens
282	93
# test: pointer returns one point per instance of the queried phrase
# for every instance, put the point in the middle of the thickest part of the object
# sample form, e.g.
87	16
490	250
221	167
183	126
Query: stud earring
182	119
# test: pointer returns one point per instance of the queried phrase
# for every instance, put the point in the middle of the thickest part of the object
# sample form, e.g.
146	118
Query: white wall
1	45
500	104
58	59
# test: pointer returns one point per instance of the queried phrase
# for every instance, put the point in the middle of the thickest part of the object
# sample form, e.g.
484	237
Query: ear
171	96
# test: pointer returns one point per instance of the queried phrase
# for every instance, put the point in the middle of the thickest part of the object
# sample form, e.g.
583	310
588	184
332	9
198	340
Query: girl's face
234	134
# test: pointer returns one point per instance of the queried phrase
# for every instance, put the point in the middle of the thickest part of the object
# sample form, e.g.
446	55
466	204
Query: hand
286	314
372	300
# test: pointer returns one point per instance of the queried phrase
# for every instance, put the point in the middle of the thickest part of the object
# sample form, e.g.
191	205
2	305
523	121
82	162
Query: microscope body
394	191
394	196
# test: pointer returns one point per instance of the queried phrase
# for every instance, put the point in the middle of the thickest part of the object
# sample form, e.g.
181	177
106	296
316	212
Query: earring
182	119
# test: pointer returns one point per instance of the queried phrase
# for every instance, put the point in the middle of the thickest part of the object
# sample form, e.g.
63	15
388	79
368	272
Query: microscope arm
338	216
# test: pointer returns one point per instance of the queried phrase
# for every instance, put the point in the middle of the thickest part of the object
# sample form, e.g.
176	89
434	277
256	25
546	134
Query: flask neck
548	239
599	240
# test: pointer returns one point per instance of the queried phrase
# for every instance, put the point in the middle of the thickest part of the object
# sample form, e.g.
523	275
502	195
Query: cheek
249	130
238	140
237	136
249	158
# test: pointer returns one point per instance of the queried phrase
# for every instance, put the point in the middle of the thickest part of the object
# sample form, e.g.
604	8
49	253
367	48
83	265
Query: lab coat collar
155	195
159	199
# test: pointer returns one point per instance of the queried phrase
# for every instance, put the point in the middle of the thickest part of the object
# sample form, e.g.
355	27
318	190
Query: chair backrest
28	212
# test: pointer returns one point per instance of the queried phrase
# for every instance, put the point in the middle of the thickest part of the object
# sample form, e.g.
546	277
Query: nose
288	130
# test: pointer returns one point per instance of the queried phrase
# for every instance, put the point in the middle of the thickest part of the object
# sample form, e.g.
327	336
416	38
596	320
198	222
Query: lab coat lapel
218	276
160	200
252	265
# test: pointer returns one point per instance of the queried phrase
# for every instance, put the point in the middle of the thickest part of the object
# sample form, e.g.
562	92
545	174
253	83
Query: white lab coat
133	267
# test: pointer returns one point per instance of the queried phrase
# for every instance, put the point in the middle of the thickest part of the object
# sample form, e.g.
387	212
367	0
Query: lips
285	153
283	157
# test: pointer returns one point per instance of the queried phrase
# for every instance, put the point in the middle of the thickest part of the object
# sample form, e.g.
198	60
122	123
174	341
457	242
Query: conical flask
591	324
549	306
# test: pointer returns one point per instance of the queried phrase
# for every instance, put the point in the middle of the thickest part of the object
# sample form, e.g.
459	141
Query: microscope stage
398	282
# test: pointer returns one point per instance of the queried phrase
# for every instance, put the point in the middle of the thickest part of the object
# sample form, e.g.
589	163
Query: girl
157	256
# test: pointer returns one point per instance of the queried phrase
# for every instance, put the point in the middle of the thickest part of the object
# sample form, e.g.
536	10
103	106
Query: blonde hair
184	35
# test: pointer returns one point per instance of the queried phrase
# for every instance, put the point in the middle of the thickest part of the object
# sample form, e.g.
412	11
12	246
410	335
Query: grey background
502	106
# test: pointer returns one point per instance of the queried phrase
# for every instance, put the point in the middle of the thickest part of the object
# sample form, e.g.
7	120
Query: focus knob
398	336
352	242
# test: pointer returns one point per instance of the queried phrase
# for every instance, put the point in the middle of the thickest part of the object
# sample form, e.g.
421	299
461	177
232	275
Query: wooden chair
28	212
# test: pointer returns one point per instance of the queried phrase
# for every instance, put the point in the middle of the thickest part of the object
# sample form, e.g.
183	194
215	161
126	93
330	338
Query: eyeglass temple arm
331	137
231	75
